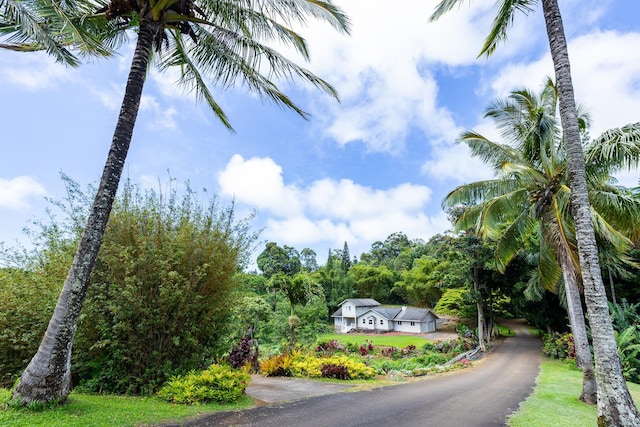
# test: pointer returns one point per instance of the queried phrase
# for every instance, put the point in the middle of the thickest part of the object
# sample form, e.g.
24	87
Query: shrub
311	366
244	355
329	347
161	292
353	347
331	370
277	366
559	346
629	348
216	384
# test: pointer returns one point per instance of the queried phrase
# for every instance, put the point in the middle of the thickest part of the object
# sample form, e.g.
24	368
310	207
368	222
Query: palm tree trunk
480	308
615	406
584	360
47	378
613	288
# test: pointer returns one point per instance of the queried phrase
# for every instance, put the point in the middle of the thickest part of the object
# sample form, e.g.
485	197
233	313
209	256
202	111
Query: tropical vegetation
219	42
615	406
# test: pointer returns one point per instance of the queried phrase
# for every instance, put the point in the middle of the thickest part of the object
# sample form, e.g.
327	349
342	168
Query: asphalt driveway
483	395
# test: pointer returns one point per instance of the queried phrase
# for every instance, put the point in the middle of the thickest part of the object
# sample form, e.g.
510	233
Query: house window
371	321
364	321
348	308
381	322
413	323
399	323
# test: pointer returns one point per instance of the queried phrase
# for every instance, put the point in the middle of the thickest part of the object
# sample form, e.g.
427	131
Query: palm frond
620	207
549	269
443	7
489	152
502	210
192	79
475	192
513	239
502	22
53	26
617	148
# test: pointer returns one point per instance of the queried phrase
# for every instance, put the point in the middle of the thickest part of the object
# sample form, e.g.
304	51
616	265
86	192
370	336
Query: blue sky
381	161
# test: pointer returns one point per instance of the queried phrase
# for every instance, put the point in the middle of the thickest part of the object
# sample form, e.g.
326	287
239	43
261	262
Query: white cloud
15	192
35	71
605	68
327	211
382	71
258	182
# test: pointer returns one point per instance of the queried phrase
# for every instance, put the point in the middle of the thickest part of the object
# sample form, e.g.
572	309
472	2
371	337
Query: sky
380	161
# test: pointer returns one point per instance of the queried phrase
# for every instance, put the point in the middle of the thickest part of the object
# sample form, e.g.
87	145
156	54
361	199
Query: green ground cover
109	411
399	341
554	401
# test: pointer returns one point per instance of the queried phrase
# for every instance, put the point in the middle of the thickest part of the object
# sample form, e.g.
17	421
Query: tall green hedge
160	296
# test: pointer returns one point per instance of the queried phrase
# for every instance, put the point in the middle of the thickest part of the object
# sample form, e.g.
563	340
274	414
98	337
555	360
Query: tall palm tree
57	27
217	41
615	406
531	196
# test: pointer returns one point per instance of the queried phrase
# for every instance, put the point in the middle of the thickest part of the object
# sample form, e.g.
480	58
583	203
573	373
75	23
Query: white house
367	314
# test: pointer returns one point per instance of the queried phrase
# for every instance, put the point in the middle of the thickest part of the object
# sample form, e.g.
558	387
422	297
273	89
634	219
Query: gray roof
362	302
388	312
338	313
415	314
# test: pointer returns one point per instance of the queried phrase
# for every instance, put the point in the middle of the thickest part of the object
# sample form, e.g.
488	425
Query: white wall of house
374	322
348	310
408	326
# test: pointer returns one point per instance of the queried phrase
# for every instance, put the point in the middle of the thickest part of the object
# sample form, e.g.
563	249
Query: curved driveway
483	395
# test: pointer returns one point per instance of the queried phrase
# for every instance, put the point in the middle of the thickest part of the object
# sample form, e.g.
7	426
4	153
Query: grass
554	401
84	410
399	341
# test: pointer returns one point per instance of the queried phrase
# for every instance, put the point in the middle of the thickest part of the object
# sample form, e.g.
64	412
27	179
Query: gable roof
388	312
361	302
414	314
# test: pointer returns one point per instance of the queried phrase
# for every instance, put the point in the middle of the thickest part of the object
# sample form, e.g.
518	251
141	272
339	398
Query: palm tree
218	41
615	406
531	196
53	26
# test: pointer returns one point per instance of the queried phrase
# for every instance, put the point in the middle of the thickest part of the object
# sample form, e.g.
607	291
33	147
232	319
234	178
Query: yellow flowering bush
311	366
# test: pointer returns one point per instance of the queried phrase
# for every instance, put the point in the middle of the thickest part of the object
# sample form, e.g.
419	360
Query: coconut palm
213	42
615	405
59	28
531	196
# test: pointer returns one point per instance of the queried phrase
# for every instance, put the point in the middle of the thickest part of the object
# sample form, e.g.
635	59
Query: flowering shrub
329	347
311	366
217	384
559	346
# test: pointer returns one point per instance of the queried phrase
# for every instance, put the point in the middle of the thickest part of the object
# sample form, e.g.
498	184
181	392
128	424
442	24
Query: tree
346	259
276	259
615	405
530	196
223	43
372	281
420	284
308	260
298	289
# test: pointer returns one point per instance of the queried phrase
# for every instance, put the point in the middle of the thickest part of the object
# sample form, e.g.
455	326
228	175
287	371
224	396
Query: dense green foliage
161	293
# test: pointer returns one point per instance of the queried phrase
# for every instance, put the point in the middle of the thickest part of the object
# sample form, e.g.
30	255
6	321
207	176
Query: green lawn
554	401
399	341
110	411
